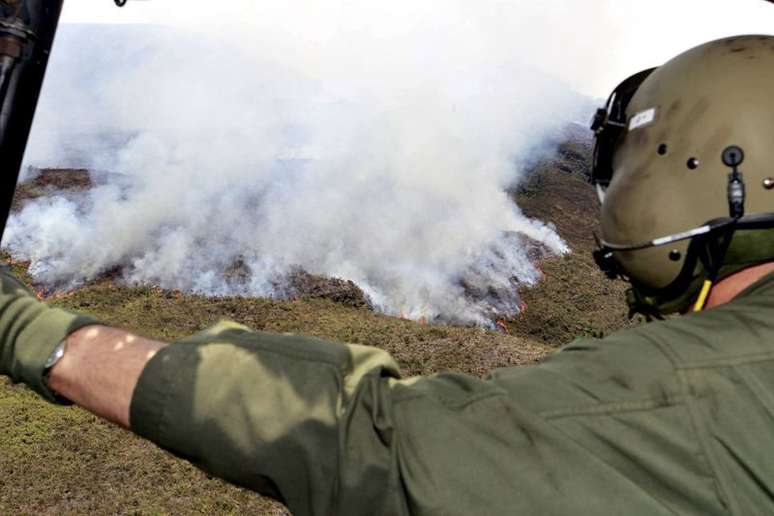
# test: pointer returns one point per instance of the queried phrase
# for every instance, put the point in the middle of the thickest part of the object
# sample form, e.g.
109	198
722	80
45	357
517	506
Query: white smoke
381	155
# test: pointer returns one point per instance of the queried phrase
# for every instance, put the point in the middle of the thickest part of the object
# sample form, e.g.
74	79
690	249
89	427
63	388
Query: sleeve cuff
147	413
36	343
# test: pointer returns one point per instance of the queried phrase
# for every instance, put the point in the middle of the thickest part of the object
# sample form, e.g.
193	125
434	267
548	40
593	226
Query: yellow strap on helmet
703	295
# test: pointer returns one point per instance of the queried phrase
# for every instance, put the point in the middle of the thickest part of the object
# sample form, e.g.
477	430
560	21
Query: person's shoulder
741	328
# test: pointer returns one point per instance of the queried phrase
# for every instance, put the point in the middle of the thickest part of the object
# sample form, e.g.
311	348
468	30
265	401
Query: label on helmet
642	119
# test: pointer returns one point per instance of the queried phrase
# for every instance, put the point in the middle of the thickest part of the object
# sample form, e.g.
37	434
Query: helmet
684	167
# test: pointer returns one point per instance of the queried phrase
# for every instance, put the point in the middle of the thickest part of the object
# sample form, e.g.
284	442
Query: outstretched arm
100	369
283	415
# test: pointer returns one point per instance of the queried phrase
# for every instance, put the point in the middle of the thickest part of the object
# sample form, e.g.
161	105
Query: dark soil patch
51	181
302	285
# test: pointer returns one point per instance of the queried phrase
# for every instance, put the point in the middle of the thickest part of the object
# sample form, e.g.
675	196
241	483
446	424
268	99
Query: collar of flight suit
762	286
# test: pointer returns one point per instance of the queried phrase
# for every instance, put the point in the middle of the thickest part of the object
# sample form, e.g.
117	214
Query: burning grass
62	460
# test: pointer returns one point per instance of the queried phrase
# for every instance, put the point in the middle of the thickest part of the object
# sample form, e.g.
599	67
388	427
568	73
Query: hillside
574	299
62	460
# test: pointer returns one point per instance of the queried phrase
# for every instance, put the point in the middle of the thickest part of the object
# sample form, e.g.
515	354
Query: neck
726	290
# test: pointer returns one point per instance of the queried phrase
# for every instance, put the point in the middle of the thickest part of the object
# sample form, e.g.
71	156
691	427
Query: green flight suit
674	417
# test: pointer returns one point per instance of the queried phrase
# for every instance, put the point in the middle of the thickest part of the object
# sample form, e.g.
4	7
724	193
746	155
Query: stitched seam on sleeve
302	354
342	450
602	409
716	363
694	415
700	431
343	410
163	412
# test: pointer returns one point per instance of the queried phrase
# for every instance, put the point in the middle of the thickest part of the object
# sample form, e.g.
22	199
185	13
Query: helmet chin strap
639	305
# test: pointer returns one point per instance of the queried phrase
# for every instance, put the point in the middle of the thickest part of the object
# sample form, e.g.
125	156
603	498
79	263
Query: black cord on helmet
733	156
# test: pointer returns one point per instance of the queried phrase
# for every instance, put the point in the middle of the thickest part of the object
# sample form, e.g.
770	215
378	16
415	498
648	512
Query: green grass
574	299
63	460
55	459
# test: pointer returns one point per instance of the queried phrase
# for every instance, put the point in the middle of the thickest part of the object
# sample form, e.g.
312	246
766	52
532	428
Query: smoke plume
378	151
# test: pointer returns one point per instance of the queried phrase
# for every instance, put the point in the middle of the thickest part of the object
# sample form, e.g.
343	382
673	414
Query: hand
29	333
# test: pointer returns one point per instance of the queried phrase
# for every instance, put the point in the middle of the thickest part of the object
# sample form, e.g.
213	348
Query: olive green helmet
684	165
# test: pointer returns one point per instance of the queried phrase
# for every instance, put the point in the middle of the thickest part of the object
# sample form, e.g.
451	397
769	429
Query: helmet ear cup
609	123
605	260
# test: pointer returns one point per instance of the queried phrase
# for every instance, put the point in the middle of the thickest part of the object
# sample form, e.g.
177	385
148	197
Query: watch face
55	356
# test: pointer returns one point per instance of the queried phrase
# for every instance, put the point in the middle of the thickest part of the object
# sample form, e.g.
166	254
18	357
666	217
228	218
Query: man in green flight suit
674	417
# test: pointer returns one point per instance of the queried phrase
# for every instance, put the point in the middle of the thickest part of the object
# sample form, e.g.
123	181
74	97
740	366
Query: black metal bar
27	30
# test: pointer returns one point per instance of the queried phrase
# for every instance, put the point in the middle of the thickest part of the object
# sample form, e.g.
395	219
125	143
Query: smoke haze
381	154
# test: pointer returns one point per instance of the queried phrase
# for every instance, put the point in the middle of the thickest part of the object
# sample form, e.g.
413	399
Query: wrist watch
53	359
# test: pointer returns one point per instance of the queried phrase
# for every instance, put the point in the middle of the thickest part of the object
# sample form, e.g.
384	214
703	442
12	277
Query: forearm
100	369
